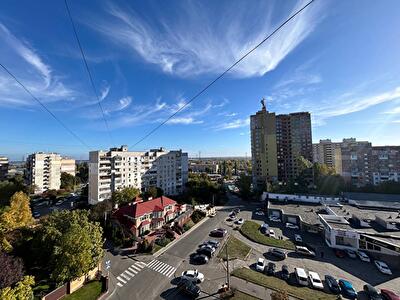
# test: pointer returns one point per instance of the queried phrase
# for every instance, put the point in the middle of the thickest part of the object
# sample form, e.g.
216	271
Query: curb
162	250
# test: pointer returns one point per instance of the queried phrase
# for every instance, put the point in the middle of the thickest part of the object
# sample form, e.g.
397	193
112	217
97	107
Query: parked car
212	215
279	253
36	215
270	270
340	253
372	292
259	213
315	280
271	233
206	251
264	228
363	256
383	267
304	251
332	284
189	288
389	295
213	243
351	253
285	274
260	266
236	210
274	219
240	221
347	289
59	202
219	232
193	275
207	246
298	238
291	226
200	259
301	276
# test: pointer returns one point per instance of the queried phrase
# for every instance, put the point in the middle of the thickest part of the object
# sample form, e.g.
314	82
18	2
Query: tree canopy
18	214
10	187
83	172
68	181
125	195
12	270
68	244
21	291
243	183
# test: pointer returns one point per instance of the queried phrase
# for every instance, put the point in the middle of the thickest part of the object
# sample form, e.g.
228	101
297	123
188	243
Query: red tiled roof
139	209
144	223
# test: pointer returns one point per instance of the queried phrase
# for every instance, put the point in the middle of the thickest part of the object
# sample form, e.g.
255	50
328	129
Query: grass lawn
242	296
281	285
251	230
155	248
89	291
236	249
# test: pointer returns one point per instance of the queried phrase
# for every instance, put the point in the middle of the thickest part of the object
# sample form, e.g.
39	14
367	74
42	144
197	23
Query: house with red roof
141	216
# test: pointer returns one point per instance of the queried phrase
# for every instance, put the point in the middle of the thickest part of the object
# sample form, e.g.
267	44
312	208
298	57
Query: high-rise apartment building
328	153
385	164
263	147
44	171
3	167
118	168
277	142
68	166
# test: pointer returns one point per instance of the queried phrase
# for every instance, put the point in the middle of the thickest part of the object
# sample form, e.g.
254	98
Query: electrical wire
44	107
88	70
222	74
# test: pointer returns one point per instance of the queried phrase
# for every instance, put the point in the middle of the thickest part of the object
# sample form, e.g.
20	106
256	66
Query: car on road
315	280
200	259
351	253
259	213
218	232
291	226
189	288
304	251
212	215
207	246
371	292
332	284
212	243
285	274
270	269
260	265
340	253
193	275
59	202
274	219
298	238
347	289
363	256
301	276
206	251
236	210
389	295
279	253
240	221
271	233
36	215
383	267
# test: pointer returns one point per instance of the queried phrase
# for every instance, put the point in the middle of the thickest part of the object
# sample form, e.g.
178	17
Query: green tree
83	172
68	244
68	181
97	211
22	290
9	188
243	183
153	192
18	215
124	196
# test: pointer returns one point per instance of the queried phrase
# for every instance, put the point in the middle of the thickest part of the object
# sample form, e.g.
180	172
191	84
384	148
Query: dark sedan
270	269
285	274
372	292
200	259
219	232
189	288
340	253
332	284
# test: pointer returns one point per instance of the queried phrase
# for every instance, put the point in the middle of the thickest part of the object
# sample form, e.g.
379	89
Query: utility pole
227	265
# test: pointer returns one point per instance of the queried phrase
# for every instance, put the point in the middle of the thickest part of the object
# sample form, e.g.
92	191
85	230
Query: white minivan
301	276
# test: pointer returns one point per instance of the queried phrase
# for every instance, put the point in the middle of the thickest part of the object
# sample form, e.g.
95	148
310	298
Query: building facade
68	166
44	171
209	168
328	153
118	168
3	167
277	142
385	163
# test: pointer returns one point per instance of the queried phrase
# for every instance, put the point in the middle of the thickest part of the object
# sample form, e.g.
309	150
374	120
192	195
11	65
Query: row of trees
200	189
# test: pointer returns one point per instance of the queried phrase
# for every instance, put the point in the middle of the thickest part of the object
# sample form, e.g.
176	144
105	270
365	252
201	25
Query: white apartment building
119	168
3	167
44	171
68	166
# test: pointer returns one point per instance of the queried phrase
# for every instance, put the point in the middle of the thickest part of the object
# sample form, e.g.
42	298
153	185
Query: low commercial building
140	217
205	167
3	167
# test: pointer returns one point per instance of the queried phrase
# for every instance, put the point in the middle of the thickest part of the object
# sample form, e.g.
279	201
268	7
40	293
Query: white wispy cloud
394	111
192	42
238	123
104	92
184	121
33	72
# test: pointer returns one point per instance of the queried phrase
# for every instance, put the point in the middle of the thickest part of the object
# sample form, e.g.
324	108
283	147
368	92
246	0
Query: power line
88	70
45	107
219	77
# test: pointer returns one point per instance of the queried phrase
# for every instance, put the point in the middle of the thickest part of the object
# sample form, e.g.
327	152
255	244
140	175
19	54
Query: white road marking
158	264
132	270
125	276
129	273
119	284
167	270
163	267
120	279
171	273
151	263
135	267
142	263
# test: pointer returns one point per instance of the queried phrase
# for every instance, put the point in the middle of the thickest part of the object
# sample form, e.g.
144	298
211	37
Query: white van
301	276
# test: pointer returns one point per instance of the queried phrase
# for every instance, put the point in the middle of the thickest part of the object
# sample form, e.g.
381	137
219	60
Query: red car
389	295
340	253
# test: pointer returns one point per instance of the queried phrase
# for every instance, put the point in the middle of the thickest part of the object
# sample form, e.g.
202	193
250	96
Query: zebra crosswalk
161	267
130	272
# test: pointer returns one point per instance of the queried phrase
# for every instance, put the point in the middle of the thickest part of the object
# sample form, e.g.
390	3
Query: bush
163	241
197	215
145	246
170	234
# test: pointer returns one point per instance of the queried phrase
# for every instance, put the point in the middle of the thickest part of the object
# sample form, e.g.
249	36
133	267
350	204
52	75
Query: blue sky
339	60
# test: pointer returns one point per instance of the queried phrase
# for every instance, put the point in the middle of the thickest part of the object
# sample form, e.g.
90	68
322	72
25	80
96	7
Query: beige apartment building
44	171
3	167
68	166
118	168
